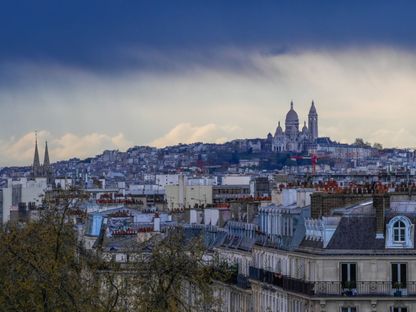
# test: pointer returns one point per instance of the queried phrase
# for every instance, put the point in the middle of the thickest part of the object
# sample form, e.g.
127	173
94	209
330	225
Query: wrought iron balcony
282	281
365	289
334	288
243	282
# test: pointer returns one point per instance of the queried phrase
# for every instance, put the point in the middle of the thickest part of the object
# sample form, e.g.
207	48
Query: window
349	275
400	233
398	275
349	309
399	230
398	309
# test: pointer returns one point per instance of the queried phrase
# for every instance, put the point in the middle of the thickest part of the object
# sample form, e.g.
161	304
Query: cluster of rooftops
365	227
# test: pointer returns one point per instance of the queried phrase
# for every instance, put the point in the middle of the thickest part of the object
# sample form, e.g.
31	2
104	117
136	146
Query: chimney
381	202
156	223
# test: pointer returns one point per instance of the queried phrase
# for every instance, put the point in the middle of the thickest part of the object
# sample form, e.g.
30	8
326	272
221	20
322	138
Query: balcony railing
282	281
232	277
365	288
334	288
243	282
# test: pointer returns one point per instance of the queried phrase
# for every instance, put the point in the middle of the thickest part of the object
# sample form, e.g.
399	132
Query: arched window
399	231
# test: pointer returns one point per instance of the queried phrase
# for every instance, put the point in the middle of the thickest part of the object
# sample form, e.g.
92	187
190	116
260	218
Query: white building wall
211	216
236	180
64	183
167	179
303	197
7	203
186	197
289	197
202	181
32	191
195	216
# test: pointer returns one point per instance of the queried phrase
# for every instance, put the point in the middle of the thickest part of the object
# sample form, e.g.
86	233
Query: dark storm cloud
95	75
105	34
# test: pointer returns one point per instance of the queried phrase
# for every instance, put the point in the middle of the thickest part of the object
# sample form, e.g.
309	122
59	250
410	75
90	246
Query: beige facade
188	196
317	282
373	275
312	282
233	298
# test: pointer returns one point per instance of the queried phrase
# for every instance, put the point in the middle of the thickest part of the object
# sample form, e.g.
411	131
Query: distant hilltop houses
292	139
290	149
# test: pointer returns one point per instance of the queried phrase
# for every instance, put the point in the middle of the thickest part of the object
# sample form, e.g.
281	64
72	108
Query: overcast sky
95	75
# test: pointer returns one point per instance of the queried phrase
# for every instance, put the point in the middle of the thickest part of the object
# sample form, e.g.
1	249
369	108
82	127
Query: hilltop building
293	140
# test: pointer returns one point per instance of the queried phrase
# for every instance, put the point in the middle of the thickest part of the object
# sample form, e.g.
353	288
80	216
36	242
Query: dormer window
400	233
399	229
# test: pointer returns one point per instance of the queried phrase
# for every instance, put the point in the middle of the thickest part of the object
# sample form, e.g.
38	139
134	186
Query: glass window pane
394	273
344	272
403	274
396	234
353	272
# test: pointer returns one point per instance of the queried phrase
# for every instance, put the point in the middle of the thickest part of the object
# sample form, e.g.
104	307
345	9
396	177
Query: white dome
279	130
292	116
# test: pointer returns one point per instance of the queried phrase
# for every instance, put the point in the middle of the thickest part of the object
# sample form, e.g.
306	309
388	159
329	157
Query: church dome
292	116
279	130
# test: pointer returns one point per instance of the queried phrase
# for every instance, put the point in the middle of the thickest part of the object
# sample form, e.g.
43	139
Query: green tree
44	267
360	142
169	273
378	146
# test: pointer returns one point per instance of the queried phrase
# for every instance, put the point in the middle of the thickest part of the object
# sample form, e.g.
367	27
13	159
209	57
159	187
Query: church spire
46	158
47	170
312	110
36	162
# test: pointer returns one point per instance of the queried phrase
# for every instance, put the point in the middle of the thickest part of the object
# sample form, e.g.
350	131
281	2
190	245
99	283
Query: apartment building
357	258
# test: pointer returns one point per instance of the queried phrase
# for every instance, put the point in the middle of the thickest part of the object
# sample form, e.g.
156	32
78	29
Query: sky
96	75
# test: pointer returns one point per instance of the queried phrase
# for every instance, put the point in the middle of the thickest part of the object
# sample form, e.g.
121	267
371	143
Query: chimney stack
156	223
381	202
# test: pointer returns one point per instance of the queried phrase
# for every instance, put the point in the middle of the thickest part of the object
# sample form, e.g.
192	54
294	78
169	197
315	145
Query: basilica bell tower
313	123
